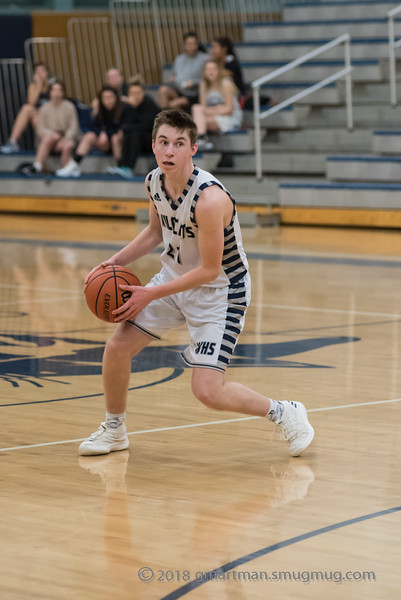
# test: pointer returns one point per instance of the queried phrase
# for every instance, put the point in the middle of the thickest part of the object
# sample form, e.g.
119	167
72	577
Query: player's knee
125	342
209	395
118	348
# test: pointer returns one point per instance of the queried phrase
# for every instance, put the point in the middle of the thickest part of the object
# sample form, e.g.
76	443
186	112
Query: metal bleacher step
386	141
372	115
279	161
369	92
247	190
95	185
342	9
321	193
315	70
104	194
325	29
289	118
332	94
363	168
322	139
361	49
98	162
242	140
363	92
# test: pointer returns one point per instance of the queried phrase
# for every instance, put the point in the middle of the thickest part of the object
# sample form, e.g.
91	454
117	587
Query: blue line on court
173	375
211	575
327	260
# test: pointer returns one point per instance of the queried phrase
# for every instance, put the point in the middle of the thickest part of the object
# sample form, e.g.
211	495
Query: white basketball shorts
214	317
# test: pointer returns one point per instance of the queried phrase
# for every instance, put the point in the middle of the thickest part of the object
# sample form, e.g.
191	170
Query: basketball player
204	282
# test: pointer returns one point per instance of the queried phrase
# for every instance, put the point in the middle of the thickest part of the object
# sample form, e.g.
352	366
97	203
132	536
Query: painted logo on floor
37	359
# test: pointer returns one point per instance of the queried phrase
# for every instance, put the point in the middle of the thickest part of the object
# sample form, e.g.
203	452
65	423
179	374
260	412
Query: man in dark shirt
137	128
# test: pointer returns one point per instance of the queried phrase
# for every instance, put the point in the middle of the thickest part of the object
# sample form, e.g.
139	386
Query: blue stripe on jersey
229	338
236	295
238	277
236	330
223	359
230	261
236	311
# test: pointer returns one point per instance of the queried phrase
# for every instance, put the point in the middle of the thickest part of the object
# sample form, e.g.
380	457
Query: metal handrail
393	44
256	85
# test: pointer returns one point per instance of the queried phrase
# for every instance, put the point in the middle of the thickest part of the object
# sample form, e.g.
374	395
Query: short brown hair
57	82
137	80
179	120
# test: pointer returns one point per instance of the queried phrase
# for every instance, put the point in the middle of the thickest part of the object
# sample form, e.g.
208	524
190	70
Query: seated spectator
57	128
106	133
223	53
38	93
114	79
182	90
137	129
218	109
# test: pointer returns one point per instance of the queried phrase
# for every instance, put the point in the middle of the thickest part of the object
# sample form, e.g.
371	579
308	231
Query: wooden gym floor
204	505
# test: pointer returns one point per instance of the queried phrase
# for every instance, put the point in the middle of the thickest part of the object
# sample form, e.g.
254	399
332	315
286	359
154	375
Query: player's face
173	149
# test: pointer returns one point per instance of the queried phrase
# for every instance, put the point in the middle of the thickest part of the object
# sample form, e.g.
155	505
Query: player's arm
213	213
142	244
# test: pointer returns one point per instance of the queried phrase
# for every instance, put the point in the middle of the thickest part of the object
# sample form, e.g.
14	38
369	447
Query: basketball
103	293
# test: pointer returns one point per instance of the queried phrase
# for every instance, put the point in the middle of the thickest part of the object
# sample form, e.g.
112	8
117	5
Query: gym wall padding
14	30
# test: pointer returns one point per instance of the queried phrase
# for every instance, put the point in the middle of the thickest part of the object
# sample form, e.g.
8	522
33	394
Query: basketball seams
115	286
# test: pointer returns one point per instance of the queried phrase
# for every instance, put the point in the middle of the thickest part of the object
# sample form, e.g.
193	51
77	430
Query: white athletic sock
38	166
114	421
275	410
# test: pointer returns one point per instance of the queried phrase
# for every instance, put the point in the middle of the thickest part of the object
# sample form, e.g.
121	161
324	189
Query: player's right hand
105	263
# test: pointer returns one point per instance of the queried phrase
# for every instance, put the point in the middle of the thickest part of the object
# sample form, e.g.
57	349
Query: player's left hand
140	297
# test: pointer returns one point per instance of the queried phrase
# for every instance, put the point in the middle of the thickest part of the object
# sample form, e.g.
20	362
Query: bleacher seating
309	159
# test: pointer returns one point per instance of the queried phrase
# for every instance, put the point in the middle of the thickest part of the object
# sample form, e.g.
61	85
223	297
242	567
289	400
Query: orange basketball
103	293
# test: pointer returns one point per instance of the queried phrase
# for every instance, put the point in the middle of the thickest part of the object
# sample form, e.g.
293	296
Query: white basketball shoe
105	440
295	427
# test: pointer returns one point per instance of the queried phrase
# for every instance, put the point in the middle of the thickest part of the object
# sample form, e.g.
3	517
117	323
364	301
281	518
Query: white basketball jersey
180	231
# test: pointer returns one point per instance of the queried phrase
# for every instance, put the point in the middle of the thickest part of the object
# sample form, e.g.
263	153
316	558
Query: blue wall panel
14	30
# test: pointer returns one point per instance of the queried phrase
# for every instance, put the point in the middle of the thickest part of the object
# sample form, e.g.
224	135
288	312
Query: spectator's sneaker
10	147
105	440
124	172
71	169
30	171
111	170
295	427
204	143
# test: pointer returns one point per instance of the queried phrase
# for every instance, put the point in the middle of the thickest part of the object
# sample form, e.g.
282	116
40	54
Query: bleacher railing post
348	84
391	50
258	139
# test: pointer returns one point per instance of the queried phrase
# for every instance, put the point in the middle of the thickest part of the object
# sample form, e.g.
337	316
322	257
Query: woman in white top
218	109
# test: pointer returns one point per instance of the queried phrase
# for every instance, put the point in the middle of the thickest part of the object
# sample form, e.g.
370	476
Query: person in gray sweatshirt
181	91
